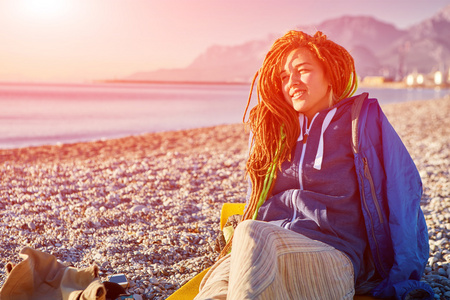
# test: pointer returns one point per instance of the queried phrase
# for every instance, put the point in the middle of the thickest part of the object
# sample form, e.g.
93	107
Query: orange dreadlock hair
273	122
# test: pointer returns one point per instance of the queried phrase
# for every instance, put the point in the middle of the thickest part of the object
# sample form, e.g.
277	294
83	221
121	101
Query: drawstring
319	155
301	121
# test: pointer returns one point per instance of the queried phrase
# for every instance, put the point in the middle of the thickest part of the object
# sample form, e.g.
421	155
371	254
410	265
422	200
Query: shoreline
24	142
148	205
386	84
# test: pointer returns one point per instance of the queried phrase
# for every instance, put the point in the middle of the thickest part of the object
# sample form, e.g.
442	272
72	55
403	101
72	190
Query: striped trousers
270	262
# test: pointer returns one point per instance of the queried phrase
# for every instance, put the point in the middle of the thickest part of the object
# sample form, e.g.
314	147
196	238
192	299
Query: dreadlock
274	122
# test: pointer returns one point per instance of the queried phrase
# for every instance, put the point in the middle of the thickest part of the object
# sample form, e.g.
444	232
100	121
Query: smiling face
304	82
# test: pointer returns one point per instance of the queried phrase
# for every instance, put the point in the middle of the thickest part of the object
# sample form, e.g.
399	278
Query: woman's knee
247	227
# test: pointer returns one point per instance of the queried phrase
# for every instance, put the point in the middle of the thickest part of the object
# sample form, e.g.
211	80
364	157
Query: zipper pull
305	137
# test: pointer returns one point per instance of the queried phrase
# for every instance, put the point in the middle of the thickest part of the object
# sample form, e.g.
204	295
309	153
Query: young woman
333	207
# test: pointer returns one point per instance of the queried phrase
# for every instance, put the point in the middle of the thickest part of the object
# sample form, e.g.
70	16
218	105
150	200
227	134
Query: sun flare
45	9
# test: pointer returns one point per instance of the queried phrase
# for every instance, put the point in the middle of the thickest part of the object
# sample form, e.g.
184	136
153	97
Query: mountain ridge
378	47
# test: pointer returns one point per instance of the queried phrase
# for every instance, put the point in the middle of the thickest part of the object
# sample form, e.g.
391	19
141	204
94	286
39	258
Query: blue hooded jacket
390	189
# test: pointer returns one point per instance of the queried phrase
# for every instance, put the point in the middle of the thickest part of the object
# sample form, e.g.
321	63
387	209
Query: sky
85	40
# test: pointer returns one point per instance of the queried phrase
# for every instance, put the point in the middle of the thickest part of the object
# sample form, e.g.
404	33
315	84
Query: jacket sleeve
399	187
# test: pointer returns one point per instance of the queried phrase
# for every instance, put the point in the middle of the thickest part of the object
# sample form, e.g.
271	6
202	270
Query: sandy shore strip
149	205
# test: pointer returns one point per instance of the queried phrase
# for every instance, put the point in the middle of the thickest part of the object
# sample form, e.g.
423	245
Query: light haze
84	40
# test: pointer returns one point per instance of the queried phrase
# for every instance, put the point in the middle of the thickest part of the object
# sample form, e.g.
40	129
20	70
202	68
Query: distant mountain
378	48
424	48
364	37
219	64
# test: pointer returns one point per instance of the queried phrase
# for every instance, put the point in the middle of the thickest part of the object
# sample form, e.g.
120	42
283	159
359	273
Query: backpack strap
356	109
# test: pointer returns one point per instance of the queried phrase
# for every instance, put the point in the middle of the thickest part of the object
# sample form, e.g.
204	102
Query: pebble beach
149	205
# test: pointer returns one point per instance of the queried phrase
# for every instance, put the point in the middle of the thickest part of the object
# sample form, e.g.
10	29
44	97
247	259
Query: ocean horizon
44	114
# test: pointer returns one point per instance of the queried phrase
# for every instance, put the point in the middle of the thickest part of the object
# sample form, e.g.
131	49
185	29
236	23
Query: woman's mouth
297	94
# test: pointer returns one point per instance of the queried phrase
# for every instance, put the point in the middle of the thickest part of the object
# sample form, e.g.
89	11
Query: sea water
39	114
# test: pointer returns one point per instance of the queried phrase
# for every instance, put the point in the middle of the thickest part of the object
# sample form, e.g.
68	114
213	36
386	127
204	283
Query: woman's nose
294	78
